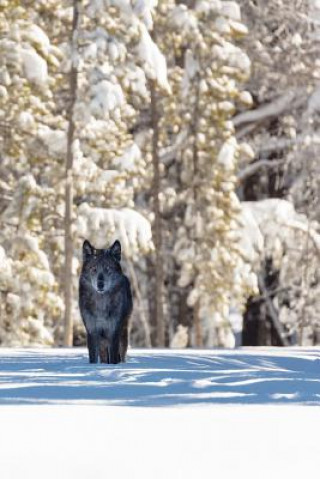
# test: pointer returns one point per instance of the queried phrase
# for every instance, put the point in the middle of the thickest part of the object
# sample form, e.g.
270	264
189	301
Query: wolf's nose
100	281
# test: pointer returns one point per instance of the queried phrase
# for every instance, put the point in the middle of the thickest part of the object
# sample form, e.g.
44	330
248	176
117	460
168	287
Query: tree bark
198	335
254	167
273	313
157	226
142	315
68	283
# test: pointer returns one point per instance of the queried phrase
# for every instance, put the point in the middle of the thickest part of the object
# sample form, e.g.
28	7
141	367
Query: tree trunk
198	340
142	315
157	226
198	335
68	283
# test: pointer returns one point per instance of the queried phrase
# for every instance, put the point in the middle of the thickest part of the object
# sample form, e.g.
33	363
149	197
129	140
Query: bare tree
68	284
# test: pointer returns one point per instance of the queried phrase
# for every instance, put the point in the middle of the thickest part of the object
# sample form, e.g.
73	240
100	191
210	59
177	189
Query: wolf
105	302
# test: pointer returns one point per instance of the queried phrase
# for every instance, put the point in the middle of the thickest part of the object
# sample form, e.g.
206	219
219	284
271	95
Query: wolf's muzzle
100	283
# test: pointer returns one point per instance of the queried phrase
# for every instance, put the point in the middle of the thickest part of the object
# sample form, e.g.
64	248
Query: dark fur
105	303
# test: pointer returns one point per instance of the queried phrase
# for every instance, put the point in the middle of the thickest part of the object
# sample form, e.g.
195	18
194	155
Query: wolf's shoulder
126	282
126	288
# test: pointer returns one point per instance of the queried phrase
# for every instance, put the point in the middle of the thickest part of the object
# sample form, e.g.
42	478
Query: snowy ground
162	377
164	414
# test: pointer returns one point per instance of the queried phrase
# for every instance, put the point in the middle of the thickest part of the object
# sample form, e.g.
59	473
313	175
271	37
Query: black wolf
105	303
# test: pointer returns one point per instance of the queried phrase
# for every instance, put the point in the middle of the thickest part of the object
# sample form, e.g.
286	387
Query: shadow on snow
162	378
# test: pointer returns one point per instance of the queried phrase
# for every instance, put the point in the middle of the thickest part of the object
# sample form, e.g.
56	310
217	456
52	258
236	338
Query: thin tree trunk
198	340
142	316
151	299
197	326
273	313
157	227
68	283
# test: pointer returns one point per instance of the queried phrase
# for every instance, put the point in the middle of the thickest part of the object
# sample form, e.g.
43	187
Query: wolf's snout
100	282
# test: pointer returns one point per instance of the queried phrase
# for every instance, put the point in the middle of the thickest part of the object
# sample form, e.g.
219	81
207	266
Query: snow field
99	442
161	377
247	413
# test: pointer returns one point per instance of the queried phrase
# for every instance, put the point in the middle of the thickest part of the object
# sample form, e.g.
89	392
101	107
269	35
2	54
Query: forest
187	130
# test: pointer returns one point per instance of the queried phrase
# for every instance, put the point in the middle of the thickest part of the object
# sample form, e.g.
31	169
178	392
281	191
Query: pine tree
29	293
116	59
201	156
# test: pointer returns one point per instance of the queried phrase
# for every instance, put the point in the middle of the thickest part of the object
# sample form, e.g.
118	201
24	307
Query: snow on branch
35	67
254	167
153	60
274	108
275	218
101	225
168	154
283	143
106	97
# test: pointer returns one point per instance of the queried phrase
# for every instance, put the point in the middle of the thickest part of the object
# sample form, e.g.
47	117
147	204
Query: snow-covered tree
282	125
29	287
115	56
199	155
179	89
274	236
282	128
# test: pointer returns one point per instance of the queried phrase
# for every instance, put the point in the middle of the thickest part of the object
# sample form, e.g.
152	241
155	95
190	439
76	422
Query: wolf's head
101	265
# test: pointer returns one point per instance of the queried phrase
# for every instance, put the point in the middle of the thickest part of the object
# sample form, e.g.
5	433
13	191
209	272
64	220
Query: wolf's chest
101	311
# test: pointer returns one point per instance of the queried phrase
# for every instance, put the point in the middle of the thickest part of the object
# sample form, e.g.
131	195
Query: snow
128	161
27	243
231	10
144	9
222	412
191	69
232	56
106	97
55	140
98	224
226	413
35	66
137	80
26	120
226	156
183	19
36	35
274	108
162	377
251	238
154	61
208	6
314	11
180	338
89	442
314	102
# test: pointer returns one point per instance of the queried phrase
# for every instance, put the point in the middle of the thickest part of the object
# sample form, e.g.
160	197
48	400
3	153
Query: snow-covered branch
254	167
272	109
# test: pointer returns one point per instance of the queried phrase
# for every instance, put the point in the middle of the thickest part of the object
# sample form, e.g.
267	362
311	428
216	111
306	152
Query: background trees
187	118
282	129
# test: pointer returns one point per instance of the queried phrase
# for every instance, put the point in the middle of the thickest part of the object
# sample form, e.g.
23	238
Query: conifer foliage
130	121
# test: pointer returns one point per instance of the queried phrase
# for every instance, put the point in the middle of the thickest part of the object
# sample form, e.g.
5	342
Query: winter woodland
187	130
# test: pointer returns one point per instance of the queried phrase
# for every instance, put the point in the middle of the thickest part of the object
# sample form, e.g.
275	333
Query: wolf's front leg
103	350
93	346
123	345
113	350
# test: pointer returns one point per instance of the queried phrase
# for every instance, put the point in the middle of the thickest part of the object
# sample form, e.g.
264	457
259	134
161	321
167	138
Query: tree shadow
162	378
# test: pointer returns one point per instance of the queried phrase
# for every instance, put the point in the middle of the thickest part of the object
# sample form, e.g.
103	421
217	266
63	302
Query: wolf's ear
115	250
87	250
